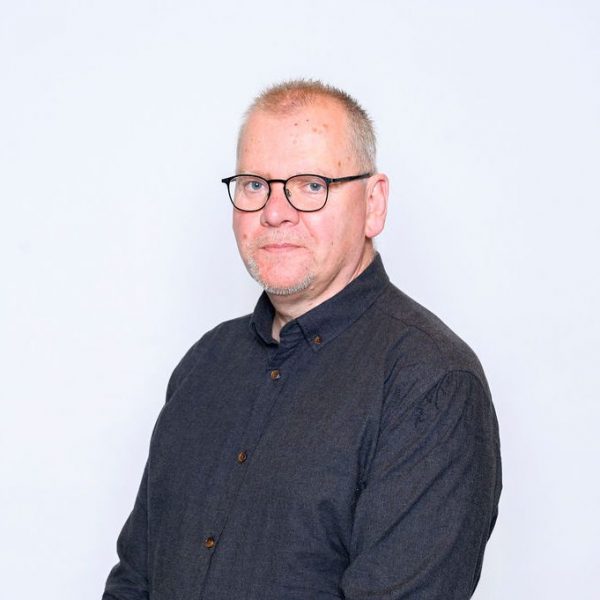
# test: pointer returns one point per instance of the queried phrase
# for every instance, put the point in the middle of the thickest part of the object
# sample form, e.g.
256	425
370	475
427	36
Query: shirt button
317	339
209	542
275	374
242	456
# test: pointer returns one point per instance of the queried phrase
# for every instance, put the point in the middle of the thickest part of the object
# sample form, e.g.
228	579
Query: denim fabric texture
357	458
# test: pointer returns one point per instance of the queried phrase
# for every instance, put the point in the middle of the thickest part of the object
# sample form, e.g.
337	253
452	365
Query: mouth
279	247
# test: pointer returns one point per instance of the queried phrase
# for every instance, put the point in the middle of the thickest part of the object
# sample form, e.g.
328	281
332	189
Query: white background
117	121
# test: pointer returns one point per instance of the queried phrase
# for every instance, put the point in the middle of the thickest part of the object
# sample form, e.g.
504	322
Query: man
340	441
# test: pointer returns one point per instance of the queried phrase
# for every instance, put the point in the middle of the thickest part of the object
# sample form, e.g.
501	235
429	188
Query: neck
292	306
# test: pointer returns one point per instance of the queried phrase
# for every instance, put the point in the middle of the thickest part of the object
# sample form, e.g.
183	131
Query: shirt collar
325	322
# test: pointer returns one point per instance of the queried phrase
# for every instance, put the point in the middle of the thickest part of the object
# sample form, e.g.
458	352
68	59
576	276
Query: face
304	255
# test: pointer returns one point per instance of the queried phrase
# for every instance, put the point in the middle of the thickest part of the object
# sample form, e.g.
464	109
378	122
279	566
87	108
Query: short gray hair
289	96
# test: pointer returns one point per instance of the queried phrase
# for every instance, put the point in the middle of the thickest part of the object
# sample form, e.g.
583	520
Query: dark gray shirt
356	458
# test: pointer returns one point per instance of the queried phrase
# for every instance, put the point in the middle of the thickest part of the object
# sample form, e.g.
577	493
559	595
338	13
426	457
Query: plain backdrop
117	121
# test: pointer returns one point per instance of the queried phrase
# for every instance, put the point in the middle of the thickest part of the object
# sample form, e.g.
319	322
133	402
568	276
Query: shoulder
213	343
421	350
435	386
417	330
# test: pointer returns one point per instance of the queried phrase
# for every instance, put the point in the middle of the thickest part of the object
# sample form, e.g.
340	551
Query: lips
279	247
278	244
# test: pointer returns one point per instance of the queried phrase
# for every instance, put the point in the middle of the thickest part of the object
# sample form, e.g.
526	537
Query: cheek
346	235
322	229
241	228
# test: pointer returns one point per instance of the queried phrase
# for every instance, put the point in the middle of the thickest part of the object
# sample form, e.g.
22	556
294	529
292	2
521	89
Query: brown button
242	456
317	339
275	374
209	542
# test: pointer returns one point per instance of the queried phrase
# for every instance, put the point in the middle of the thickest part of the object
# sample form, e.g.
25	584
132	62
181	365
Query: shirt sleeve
128	580
430	497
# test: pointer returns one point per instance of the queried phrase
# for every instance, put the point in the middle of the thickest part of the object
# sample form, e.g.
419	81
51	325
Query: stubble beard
302	285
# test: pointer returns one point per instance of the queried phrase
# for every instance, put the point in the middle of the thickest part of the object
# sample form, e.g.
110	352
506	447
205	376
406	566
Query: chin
279	284
289	288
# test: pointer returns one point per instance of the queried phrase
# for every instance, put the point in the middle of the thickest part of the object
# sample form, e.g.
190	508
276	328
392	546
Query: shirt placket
275	375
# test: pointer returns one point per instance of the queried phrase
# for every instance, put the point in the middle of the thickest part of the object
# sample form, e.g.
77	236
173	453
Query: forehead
306	135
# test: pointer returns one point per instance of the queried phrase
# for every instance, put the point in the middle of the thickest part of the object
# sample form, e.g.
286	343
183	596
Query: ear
377	198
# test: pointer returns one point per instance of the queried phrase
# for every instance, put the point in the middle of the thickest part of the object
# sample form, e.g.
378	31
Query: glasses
306	193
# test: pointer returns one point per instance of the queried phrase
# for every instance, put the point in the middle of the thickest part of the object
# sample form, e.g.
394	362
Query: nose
278	210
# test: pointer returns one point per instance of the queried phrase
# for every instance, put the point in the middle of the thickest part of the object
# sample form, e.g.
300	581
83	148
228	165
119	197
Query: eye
315	187
308	185
253	186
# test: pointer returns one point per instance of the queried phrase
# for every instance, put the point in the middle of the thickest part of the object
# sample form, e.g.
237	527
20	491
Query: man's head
293	96
309	128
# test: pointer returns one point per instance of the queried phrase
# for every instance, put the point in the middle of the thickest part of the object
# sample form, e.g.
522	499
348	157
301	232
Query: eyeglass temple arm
350	178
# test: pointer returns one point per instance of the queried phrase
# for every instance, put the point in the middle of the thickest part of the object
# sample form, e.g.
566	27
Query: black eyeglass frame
328	181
